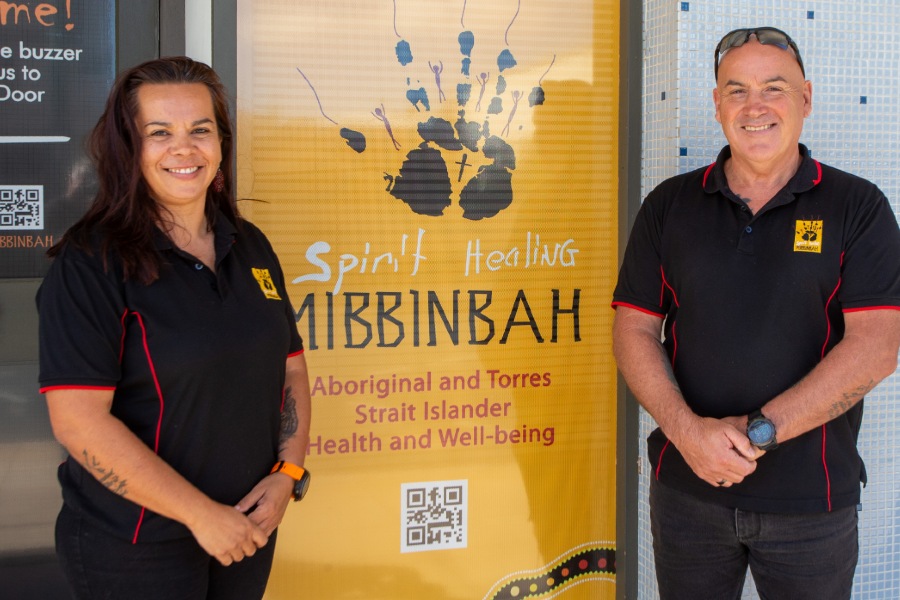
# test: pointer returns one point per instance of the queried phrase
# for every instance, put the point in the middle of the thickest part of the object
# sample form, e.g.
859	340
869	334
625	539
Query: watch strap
289	469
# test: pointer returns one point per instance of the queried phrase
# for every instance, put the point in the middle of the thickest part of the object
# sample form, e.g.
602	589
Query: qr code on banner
433	515
21	207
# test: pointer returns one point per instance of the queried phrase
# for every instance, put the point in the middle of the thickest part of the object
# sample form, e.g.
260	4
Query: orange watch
298	474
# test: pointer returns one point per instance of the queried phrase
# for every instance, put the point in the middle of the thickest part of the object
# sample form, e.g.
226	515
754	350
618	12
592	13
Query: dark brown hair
123	214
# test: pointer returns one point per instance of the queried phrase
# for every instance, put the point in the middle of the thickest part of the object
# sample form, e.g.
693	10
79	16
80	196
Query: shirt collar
225	234
806	178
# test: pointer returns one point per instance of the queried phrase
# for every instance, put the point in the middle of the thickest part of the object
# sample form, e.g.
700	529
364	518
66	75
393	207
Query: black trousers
703	550
100	566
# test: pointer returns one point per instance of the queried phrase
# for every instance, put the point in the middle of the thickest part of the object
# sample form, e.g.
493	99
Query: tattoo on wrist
289	420
105	475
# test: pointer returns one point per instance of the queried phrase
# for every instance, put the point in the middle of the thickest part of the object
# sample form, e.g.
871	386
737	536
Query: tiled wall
852	55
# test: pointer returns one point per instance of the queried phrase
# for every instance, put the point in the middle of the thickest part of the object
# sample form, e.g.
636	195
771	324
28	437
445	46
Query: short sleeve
296	345
80	313
870	271
640	283
296	342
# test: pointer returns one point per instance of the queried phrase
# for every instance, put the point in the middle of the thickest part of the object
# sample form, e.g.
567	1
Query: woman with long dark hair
170	358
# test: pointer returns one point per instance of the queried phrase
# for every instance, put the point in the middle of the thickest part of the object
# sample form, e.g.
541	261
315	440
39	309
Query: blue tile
663	96
685	6
810	14
863	100
682	152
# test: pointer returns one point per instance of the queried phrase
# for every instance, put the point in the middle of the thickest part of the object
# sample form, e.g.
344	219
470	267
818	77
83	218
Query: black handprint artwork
423	182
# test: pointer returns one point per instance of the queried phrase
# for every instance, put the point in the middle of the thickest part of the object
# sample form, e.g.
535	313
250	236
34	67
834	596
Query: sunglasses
768	36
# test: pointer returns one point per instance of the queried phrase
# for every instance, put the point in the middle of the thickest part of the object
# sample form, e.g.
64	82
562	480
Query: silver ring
721	482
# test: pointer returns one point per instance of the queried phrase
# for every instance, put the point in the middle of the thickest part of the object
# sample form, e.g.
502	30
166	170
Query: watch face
301	485
761	432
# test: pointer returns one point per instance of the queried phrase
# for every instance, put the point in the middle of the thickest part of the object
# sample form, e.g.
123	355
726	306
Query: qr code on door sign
21	207
433	515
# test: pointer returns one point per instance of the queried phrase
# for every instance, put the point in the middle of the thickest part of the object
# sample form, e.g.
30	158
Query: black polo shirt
752	303
196	359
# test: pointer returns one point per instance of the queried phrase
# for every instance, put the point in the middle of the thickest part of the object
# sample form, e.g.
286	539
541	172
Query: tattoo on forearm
850	398
839	408
105	475
289	420
859	391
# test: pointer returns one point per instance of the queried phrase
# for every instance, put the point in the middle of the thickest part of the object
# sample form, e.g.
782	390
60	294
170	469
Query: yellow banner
439	180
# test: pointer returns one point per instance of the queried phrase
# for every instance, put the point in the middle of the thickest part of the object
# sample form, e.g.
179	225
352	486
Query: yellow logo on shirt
266	284
808	236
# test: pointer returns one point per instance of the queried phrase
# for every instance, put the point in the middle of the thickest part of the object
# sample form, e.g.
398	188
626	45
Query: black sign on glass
57	64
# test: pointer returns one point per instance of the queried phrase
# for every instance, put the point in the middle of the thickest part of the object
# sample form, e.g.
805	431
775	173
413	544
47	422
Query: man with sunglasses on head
758	302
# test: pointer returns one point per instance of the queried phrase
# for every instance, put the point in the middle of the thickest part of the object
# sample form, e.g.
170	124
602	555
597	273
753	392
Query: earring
219	181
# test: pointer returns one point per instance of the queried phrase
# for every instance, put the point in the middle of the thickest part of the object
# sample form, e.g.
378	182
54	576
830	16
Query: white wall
852	55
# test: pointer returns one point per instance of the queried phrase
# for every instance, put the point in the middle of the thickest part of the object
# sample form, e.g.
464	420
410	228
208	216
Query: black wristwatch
298	474
761	431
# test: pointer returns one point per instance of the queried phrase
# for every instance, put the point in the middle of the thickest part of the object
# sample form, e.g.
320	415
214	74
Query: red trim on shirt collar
706	174
798	182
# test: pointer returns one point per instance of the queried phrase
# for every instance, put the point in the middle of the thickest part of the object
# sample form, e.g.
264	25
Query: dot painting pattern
578	566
